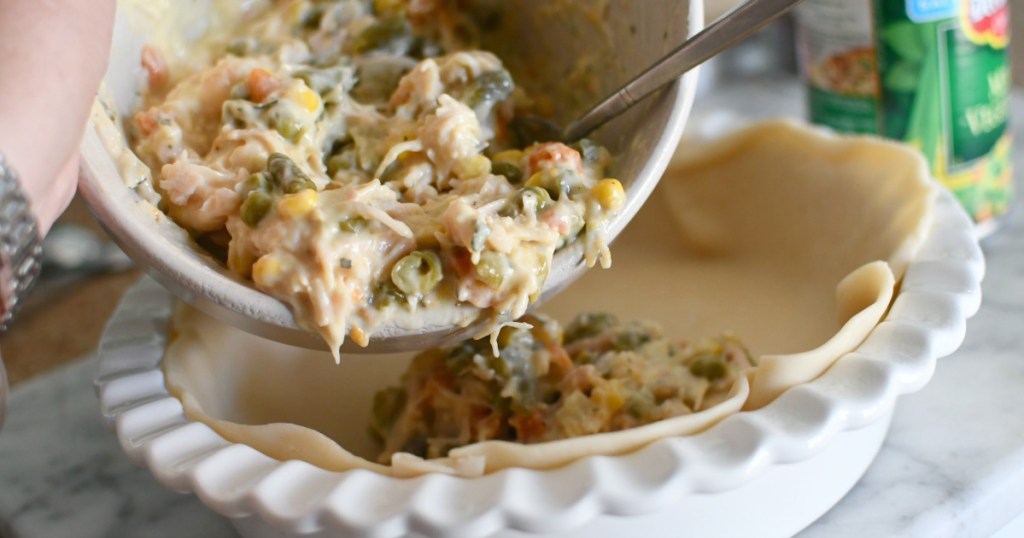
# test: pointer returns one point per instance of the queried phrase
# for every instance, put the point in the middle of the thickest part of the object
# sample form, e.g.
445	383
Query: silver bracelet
3	392
20	255
20	245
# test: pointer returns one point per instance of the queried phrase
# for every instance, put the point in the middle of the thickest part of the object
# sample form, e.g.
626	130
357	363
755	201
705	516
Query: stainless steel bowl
566	49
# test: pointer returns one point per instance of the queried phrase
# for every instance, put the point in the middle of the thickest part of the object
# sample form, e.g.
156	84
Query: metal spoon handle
730	28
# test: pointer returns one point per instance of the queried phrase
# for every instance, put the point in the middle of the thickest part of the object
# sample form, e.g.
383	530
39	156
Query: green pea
387	406
418	273
377	80
493	269
256	182
238	113
587	325
392	35
353	224
289	128
588	150
536	198
710	367
640	404
344	161
386	295
299	185
516	349
255	207
287	175
323	80
490	88
511	172
528	200
558	181
630	340
243	46
575	223
460	356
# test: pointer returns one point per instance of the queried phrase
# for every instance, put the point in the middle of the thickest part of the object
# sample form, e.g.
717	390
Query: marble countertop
952	465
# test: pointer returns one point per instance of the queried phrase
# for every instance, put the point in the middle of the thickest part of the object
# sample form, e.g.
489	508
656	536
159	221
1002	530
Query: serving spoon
729	29
170	259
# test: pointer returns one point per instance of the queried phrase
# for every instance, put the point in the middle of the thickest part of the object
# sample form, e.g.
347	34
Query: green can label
932	73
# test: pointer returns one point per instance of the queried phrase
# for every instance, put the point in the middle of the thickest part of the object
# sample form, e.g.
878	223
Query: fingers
53	54
50	200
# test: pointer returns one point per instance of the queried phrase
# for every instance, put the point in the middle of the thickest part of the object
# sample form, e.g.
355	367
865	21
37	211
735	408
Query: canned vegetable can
932	73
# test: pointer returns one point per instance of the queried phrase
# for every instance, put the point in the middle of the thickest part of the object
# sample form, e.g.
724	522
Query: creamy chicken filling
597	375
354	158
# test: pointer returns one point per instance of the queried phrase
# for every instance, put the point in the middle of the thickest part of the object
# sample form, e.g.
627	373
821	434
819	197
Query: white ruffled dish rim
927	320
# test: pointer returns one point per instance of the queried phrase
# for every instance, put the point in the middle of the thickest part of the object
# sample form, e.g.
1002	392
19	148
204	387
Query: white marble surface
953	464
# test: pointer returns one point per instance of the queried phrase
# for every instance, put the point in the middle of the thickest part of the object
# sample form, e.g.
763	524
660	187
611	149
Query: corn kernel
389	7
305	97
537	179
266	270
608	398
511	156
360	338
240	261
298	205
295	13
470	167
609	193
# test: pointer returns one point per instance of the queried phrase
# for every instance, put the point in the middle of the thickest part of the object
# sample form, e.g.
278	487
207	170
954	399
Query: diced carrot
155	64
463	262
261	85
529	428
554	220
487	422
561	363
553	154
147	122
581	379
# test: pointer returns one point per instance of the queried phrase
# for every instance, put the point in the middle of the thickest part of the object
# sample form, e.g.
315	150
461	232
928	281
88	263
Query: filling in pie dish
597	375
356	158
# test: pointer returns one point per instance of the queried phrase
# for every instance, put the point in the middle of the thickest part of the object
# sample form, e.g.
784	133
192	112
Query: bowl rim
213	290
940	290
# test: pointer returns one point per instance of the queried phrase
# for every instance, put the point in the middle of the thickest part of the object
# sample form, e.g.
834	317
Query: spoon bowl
643	140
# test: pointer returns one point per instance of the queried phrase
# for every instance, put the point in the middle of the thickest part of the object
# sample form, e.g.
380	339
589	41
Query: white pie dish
784	464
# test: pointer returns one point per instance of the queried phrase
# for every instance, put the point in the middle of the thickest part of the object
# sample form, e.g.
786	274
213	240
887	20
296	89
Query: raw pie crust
792	238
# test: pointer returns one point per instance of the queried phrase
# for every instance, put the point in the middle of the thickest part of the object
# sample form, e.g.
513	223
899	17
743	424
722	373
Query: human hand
53	54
